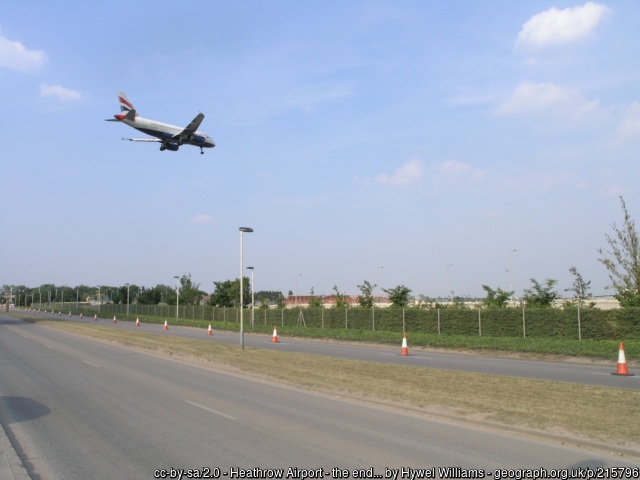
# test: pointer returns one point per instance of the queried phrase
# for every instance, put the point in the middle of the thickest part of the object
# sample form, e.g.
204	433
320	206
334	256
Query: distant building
330	300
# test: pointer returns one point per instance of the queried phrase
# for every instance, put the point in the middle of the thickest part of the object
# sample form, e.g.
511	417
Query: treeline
184	292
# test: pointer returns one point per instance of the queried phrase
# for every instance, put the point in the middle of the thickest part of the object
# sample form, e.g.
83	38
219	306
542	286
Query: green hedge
559	323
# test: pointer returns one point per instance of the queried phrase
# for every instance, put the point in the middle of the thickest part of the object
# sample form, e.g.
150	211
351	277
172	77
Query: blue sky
427	138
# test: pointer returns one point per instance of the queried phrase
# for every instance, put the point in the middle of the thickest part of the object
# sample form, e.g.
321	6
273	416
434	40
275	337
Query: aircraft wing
191	128
142	139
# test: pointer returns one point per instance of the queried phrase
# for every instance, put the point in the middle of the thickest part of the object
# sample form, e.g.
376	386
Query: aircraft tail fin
126	107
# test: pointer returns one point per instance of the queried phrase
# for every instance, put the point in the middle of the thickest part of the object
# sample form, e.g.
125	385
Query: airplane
170	137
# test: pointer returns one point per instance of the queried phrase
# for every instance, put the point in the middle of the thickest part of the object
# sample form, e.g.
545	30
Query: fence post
346	326
524	325
438	321
373	317
579	329
479	324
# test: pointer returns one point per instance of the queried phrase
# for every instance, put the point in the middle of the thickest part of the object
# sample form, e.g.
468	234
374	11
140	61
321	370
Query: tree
264	303
152	296
315	301
541	295
623	260
190	293
398	296
580	288
366	299
227	293
340	300
496	298
270	295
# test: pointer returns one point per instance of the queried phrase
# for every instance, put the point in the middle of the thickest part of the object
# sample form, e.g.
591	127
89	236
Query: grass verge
599	349
604	415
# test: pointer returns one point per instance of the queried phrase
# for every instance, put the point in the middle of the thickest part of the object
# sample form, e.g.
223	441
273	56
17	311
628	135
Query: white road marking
210	410
92	364
49	346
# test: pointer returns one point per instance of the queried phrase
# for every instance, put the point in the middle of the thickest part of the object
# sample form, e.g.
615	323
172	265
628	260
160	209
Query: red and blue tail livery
170	137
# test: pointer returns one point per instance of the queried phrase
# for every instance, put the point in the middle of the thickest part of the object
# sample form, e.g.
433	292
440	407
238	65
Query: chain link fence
571	323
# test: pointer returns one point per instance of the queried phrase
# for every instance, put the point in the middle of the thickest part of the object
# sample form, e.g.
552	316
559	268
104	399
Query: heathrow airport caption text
405	473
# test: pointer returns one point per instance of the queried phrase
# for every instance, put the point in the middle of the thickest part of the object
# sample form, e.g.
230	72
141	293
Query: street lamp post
253	302
242	231
177	295
127	285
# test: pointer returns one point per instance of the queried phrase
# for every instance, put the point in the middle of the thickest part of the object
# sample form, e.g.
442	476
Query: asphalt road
588	374
74	408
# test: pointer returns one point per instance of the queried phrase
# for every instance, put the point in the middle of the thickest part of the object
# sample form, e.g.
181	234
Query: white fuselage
166	132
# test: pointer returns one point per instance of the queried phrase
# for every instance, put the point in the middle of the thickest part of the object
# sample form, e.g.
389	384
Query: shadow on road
21	409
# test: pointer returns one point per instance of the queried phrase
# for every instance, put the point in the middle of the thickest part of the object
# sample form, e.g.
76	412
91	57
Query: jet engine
169	146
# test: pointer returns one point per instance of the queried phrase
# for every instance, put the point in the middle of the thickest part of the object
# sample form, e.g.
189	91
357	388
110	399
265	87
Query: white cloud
202	218
540	97
409	172
60	92
454	169
555	26
613	191
14	55
629	126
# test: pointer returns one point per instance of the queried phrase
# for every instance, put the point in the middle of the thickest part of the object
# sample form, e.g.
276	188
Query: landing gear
201	151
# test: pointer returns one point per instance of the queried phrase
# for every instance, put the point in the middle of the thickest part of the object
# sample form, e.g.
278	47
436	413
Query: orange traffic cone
166	327
274	339
137	322
114	319
209	331
405	350
622	363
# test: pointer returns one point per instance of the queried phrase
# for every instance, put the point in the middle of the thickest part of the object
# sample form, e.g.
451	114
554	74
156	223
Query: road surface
588	374
75	408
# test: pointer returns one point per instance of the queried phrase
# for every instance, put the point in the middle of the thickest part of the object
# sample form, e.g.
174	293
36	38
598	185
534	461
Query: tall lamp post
177	295
242	231
253	302
127	285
